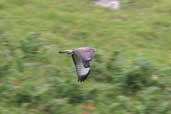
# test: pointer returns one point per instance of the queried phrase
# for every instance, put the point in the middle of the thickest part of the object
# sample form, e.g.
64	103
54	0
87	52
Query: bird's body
81	58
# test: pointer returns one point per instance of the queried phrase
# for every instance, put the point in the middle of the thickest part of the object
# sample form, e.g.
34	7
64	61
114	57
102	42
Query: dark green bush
139	76
31	46
26	95
97	69
115	68
72	91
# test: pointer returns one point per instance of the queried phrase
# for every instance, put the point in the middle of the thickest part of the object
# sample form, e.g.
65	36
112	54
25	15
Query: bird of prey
81	58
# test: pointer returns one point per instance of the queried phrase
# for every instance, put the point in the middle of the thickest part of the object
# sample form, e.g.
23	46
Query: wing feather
82	72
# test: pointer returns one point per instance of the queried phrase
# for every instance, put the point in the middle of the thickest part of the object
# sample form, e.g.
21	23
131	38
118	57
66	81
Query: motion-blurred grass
130	73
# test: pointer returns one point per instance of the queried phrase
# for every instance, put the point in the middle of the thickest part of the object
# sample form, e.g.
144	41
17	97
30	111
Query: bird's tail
66	51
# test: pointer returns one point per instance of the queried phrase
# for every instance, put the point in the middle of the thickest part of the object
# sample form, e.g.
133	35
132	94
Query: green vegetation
130	72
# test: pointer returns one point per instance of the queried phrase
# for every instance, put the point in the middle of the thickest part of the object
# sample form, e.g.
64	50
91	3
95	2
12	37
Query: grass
140	27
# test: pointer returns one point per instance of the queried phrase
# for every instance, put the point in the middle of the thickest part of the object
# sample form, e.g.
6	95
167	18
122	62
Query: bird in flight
81	58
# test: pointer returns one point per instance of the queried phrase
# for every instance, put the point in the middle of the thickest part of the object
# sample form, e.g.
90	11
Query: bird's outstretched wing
81	58
81	69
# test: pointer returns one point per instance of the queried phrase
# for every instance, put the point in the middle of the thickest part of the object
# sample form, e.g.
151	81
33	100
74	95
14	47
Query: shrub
138	76
115	67
31	46
97	68
26	95
61	88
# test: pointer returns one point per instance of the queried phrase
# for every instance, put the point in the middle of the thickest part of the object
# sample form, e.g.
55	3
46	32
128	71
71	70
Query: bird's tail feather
66	51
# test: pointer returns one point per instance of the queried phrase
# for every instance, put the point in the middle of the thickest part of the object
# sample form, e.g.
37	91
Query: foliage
139	76
115	67
31	46
130	72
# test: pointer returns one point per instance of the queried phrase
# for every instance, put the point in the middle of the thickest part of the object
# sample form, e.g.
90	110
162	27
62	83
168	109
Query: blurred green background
130	72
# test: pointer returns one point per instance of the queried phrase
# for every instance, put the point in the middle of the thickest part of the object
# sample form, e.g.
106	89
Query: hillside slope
35	79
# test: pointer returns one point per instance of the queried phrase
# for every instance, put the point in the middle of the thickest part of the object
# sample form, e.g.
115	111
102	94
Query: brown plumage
81	59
